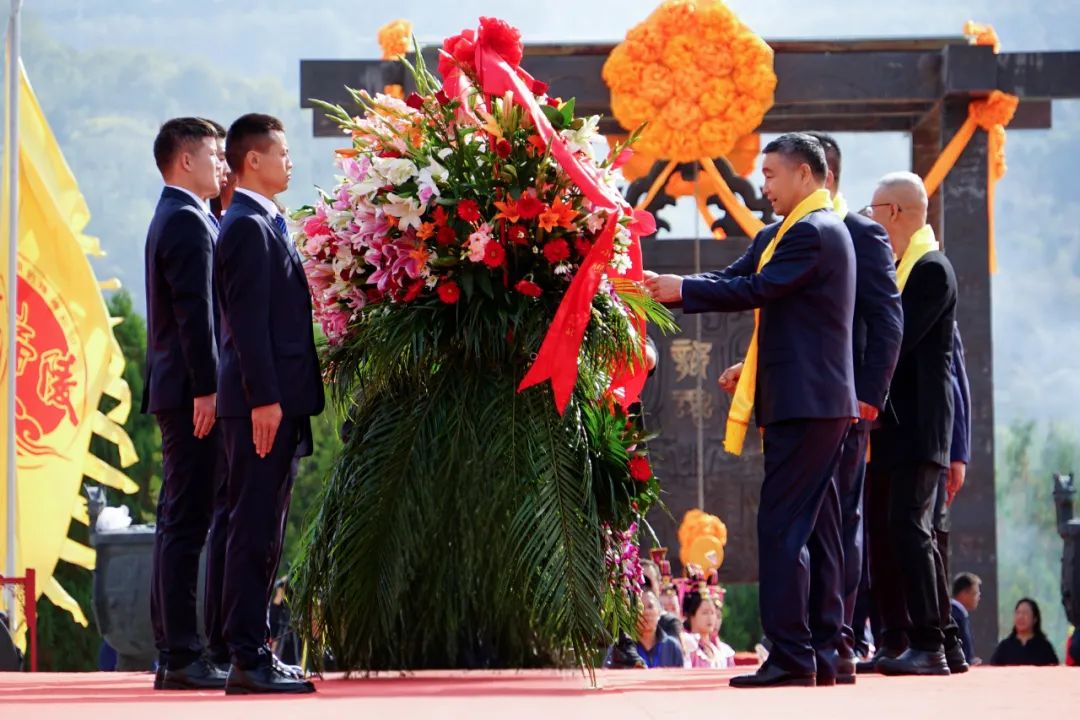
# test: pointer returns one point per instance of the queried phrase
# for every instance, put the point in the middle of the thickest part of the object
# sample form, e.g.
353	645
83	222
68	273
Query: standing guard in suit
180	389
270	386
911	448
799	277
876	334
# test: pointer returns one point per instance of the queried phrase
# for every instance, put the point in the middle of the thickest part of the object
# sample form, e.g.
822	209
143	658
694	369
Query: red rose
459	47
554	102
445	236
556	251
503	149
519	235
441	97
414	101
468	210
503	38
494	254
582	246
529	206
527	287
449	292
640	469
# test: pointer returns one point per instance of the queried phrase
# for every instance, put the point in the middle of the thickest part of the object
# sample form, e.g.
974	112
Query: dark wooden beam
926	145
972	538
1040	75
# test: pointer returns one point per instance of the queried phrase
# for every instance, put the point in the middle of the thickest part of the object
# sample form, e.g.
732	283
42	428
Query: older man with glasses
910	448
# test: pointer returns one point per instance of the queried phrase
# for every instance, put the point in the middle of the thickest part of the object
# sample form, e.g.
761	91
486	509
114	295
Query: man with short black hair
181	391
966	594
270	387
878	327
799	277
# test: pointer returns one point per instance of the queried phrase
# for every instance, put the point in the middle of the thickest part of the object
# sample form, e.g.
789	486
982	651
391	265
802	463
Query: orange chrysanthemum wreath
696	74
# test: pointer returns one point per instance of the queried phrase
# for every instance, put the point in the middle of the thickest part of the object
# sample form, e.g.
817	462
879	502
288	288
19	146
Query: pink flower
478	243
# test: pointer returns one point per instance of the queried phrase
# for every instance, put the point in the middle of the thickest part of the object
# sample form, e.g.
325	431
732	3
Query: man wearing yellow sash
877	330
799	278
911	446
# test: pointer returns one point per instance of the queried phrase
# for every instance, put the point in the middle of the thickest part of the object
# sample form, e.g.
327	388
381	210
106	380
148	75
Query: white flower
429	179
395	171
580	140
338	219
620	262
562	269
405	209
594	222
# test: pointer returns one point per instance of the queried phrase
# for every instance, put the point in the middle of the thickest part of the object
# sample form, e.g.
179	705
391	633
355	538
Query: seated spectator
966	593
655	648
702	647
670	623
1026	645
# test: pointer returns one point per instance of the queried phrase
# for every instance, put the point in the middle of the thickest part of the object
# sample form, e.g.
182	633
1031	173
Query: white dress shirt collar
266	203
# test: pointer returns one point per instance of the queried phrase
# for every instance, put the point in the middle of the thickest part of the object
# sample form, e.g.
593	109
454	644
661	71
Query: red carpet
984	693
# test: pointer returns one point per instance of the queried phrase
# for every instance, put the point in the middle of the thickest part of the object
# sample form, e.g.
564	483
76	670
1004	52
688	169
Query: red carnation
527	287
556	251
519	235
449	292
414	101
503	38
582	246
529	206
446	236
503	149
554	102
640	469
468	210
494	254
459	47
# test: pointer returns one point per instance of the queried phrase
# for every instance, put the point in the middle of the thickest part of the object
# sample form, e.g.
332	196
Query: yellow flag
66	359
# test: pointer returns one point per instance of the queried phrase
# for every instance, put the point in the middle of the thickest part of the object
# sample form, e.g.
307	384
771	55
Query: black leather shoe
264	680
915	662
199	675
769	675
954	656
827	661
159	677
845	671
871	665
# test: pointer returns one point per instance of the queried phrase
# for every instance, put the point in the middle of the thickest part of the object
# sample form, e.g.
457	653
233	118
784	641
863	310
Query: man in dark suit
804	399
877	331
270	386
952	478
181	386
911	448
213	616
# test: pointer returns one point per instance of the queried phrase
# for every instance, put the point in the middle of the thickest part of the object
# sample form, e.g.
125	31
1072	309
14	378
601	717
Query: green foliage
1029	547
742	621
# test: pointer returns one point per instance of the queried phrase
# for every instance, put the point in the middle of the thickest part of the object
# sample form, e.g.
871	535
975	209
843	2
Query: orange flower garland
696	525
395	39
696	74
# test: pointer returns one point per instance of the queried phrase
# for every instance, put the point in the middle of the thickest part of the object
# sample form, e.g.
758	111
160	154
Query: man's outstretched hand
664	288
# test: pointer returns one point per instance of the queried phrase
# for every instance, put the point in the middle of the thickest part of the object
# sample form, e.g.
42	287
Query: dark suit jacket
807	298
879	317
917	425
961	434
267	344
181	352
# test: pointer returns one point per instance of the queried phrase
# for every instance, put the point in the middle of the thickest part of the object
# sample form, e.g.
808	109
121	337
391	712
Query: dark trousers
185	504
259	490
800	479
850	478
215	564
908	580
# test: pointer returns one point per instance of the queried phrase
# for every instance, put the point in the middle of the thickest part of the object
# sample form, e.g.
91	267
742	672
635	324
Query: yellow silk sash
743	402
922	242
